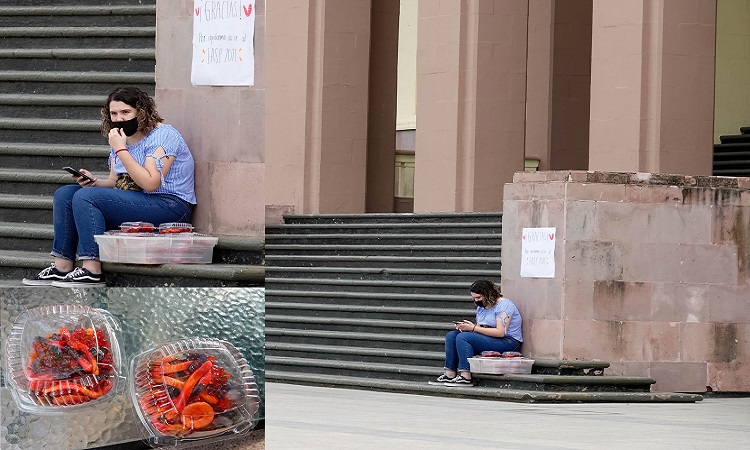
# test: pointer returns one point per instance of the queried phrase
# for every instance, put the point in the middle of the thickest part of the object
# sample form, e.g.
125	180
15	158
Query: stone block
708	263
628	369
680	302
592	339
593	261
599	192
578	299
622	222
652	194
542	338
679	376
636	342
541	213
620	300
580	221
650	262
537	298
729	377
665	341
729	303
697	342
673	223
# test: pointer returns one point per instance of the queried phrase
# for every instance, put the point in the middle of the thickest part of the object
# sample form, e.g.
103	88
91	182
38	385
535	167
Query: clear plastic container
189	391
500	365
183	248
175	227
137	227
63	357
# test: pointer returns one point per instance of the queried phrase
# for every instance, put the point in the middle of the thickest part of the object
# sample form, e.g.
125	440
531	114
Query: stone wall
652	274
224	126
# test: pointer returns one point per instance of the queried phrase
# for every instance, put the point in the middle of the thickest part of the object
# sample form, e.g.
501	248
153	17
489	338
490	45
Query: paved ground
302	417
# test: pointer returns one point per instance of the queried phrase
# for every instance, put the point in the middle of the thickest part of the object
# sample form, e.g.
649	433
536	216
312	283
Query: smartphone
78	174
458	321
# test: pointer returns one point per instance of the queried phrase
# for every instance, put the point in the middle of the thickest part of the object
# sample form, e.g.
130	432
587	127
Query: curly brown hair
145	107
488	290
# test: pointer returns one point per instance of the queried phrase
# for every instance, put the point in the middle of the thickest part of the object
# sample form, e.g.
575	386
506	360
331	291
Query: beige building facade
603	95
485	86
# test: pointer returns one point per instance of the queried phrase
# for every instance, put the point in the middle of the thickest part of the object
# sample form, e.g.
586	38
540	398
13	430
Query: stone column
652	274
316	121
222	125
471	100
381	123
652	86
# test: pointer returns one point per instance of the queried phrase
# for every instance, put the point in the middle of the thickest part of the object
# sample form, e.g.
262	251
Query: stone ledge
637	178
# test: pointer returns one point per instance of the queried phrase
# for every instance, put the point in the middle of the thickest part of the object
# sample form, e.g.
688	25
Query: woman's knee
66	193
451	335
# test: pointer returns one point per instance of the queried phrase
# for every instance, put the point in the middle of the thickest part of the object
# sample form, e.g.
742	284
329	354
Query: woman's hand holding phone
464	325
83	176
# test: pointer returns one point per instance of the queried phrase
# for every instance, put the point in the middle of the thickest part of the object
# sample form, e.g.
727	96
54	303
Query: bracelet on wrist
121	150
475	327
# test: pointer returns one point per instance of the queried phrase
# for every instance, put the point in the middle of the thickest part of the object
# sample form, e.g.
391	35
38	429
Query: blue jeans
80	213
461	346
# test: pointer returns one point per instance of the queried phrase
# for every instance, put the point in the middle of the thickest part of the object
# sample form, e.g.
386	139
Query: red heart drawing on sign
197	10
551	236
248	10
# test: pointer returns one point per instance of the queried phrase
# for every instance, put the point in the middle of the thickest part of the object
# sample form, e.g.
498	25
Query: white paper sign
223	52
538	253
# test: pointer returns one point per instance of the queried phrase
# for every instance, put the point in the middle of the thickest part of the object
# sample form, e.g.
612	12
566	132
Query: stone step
491	228
34	182
515	395
491	264
384	239
734	138
387	250
25	208
77	37
401	340
50	130
384	273
82	59
421	288
70	82
85	13
28	106
359	324
401	218
53	156
402	372
357	354
38	238
389	313
374	298
14	265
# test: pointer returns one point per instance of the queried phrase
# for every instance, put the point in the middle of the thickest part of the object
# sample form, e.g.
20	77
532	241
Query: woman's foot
442	380
460	380
81	277
46	277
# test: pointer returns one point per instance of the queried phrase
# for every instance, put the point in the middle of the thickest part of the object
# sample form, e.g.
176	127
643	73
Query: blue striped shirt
490	316
180	178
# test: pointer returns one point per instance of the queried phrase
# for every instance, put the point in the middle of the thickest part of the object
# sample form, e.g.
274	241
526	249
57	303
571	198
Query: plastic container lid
137	227
175	227
62	358
191	390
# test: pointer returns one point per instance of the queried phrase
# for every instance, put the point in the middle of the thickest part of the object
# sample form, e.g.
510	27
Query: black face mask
129	127
479	302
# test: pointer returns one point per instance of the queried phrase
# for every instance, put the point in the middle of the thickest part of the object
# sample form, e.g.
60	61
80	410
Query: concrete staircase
364	301
58	61
732	155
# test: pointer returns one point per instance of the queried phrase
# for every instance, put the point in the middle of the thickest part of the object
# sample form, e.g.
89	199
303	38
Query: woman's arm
103	182
147	176
500	330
